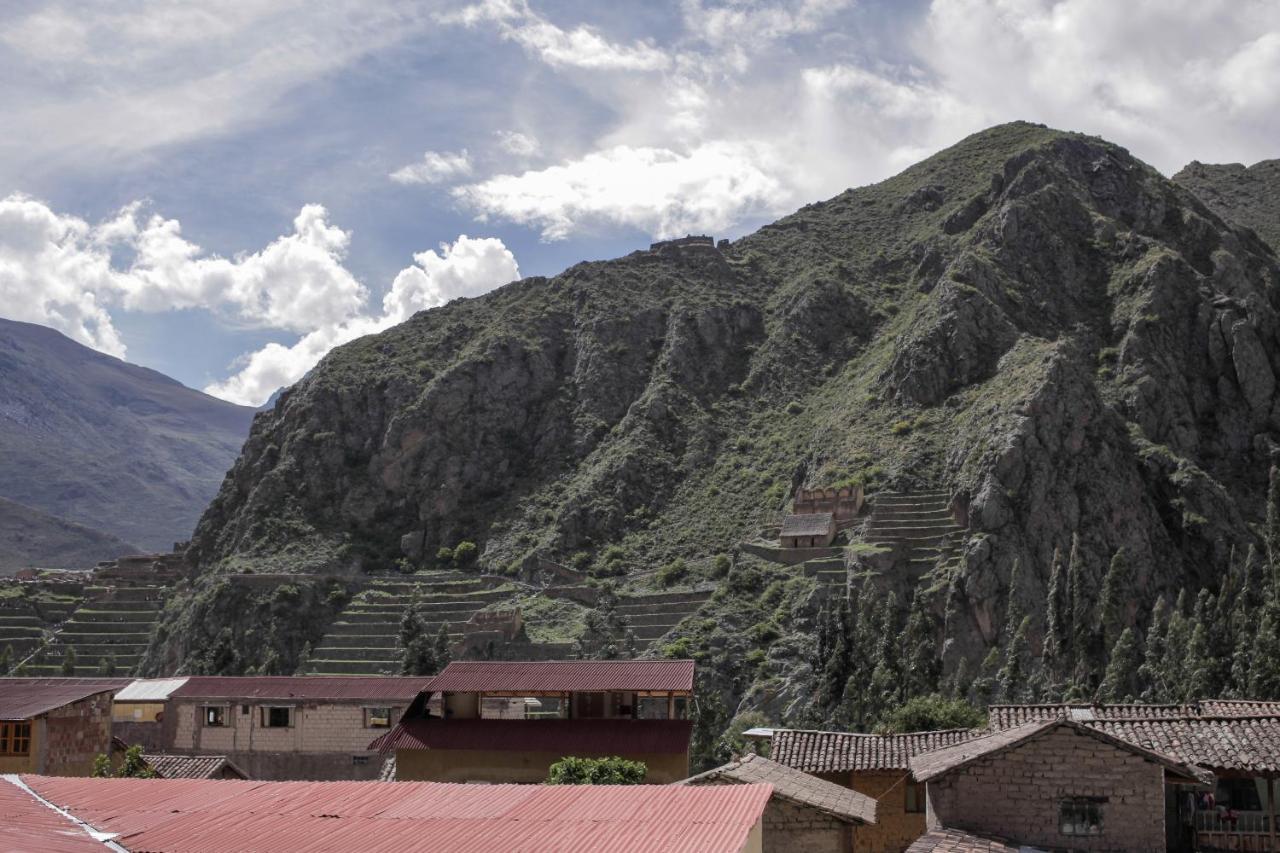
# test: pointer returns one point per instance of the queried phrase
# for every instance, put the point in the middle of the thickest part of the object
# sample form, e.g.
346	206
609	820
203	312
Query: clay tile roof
807	524
192	766
199	815
24	698
1237	708
1249	744
827	752
1006	716
796	786
557	676
314	688
931	765
954	841
566	737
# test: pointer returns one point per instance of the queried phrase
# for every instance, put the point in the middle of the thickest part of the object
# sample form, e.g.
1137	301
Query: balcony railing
1247	832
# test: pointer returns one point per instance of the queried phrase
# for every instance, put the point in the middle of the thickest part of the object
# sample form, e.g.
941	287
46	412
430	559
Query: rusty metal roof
24	698
567	737
793	785
558	676
192	766
829	752
204	816
26	824
313	688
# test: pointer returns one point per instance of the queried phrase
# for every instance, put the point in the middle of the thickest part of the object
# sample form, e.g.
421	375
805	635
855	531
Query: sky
224	191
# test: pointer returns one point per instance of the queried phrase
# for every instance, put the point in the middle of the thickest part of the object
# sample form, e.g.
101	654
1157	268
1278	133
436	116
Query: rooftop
565	676
955	841
829	752
24	698
567	737
796	786
306	687
28	824
1005	716
931	765
807	524
192	766
1249	744
198	815
149	689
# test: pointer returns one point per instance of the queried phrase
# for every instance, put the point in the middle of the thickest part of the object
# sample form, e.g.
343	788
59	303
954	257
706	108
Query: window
915	798
15	738
1081	816
276	717
357	760
652	708
377	718
214	715
1239	794
681	708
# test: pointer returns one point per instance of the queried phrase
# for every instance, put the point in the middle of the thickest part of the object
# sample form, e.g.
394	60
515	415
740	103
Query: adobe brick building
287	727
1057	784
55	726
805	814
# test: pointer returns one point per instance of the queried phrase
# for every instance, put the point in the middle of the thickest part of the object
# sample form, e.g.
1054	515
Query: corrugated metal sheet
317	688
24	698
29	826
149	689
189	816
559	676
568	737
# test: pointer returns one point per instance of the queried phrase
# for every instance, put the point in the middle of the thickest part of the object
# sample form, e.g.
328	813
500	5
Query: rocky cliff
1248	195
1033	320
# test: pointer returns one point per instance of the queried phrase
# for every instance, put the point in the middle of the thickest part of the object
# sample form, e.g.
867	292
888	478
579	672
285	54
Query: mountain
105	444
29	537
1082	352
1249	196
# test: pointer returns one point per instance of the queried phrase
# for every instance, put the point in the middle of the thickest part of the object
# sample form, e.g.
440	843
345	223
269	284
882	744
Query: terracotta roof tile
1248	744
829	752
192	766
954	841
795	786
1005	716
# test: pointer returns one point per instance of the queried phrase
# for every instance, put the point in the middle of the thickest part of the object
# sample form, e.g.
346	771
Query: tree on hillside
1012	679
6	659
931	713
1151	673
1113	607
69	661
1055	621
107	666
921	667
1120	682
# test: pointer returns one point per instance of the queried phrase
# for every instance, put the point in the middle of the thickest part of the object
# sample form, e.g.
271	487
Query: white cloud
580	47
662	191
435	167
57	270
517	144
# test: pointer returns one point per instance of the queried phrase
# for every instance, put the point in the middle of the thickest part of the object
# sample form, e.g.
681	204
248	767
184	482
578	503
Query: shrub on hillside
931	713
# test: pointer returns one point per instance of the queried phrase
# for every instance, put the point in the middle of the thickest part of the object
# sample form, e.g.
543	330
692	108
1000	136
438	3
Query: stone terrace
918	526
364	639
115	621
652	616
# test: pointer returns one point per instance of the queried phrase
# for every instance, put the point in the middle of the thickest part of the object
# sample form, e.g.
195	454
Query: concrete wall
895	828
474	765
136	712
1017	793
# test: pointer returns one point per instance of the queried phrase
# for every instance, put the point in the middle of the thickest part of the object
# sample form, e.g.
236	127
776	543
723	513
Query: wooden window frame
14	733
205	717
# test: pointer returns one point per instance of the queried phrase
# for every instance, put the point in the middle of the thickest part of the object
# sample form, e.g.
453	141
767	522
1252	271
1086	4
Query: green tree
6	659
1264	674
1120	682
1011	680
107	666
132	766
442	648
465	554
101	766
931	713
733	742
418	653
984	686
1013	611
1055	619
1177	637
607	633
1273	524
921	668
1151	675
835	669
1116	592
1083	629
596	771
69	661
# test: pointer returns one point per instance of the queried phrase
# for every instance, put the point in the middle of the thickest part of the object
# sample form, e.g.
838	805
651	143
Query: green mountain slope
1031	320
1248	195
30	538
109	445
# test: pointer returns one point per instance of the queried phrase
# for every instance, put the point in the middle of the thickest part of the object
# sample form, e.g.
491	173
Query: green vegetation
596	771
132	765
932	713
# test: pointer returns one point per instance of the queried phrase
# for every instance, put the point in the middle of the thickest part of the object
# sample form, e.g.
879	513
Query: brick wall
791	828
1017	794
74	735
895	828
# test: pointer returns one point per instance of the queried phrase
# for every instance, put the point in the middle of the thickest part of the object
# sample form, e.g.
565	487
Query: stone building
844	503
137	714
509	721
810	530
1057	785
55	726
287	727
805	814
877	766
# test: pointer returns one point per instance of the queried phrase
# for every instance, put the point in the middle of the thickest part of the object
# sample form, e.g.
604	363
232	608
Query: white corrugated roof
149	689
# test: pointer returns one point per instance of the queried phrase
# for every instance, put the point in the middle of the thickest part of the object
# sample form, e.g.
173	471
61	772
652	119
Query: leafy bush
901	427
677	649
465	553
673	572
596	771
794	408
580	560
720	566
444	555
931	713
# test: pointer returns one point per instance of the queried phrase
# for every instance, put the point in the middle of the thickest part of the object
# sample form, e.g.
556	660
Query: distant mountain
112	446
1247	195
29	537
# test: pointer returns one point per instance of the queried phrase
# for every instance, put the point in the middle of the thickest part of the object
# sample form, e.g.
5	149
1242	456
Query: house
194	767
877	766
805	814
1238	740
286	727
137	713
509	721
55	726
808	530
1055	784
844	503
189	815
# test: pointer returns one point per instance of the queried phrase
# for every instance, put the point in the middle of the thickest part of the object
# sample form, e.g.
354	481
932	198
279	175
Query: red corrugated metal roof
556	676
24	698
210	816
568	737
307	687
29	826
